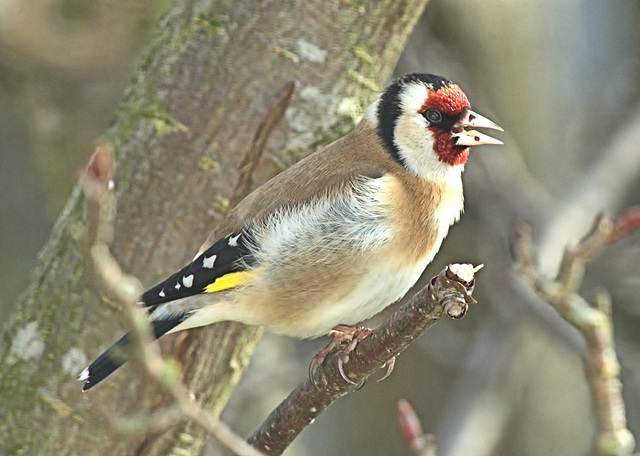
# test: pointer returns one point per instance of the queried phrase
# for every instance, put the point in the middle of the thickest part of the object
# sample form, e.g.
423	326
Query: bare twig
125	290
252	154
602	185
594	322
448	293
411	431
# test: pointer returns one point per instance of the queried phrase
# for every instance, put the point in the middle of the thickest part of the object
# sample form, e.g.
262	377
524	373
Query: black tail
119	354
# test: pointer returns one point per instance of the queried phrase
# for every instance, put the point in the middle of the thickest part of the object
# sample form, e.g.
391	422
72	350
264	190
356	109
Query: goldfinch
339	236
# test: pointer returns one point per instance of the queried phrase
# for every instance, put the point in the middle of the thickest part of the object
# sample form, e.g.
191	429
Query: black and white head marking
389	107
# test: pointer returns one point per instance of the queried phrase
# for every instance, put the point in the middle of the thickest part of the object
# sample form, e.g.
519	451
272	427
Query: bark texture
210	73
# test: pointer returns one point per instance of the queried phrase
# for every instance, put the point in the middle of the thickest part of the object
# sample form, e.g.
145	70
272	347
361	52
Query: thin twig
594	322
252	154
125	289
250	159
448	293
412	433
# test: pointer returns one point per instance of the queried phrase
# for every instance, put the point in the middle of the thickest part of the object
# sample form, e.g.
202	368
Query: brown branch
593	322
447	293
252	153
125	289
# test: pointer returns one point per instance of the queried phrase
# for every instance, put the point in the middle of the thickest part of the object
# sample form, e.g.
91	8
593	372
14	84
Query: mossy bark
208	76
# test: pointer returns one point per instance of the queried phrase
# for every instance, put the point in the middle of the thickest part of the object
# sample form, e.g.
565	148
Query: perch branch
593	322
448	293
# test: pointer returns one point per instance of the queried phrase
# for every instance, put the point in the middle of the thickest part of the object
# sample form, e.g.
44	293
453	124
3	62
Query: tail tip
84	375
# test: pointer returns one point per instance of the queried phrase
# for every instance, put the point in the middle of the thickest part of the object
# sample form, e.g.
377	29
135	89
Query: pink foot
339	335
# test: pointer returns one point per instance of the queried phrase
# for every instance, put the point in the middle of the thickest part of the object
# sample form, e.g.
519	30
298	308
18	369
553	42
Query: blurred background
563	79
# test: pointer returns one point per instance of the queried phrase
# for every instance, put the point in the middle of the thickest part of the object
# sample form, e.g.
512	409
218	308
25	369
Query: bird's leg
339	335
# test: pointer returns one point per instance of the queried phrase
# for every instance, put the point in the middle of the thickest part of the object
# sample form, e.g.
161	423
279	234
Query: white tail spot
84	375
188	281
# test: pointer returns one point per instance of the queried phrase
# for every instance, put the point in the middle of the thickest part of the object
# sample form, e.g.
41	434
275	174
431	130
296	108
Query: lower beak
466	137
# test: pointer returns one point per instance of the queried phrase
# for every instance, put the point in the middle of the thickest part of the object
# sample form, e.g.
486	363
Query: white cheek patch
413	97
415	145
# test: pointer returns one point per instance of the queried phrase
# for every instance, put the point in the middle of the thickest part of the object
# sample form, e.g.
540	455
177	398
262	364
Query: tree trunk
208	77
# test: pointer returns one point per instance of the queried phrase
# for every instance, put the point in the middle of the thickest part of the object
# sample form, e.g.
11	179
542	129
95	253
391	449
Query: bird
337	237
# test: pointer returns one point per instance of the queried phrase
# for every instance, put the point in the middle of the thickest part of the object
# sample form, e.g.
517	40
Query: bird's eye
433	116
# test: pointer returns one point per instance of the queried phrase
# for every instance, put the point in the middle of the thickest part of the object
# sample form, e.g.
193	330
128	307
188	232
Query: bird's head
425	122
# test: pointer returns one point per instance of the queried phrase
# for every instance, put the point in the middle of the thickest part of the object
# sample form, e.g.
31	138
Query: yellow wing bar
230	280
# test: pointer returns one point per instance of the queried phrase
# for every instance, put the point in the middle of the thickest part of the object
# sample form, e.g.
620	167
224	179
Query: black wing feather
229	254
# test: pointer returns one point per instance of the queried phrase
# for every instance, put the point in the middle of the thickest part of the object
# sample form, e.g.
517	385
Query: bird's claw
339	335
342	373
391	363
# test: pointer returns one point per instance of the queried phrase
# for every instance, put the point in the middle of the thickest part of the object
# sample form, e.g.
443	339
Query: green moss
16	451
186	437
322	136
214	24
356	5
209	165
221	204
170	374
243	345
363	55
162	122
363	80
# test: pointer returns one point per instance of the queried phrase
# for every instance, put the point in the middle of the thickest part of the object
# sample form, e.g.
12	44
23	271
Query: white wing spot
177	286
208	262
188	281
161	294
233	241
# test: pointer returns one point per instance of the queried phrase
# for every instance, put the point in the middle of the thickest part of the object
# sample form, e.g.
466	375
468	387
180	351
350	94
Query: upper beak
472	137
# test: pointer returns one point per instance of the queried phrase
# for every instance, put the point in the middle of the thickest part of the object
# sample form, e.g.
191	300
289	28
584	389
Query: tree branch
125	289
448	293
593	322
253	152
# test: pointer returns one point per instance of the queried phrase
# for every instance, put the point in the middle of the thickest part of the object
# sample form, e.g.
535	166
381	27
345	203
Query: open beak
466	137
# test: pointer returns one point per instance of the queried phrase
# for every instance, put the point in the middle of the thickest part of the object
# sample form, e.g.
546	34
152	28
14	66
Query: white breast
383	285
330	262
